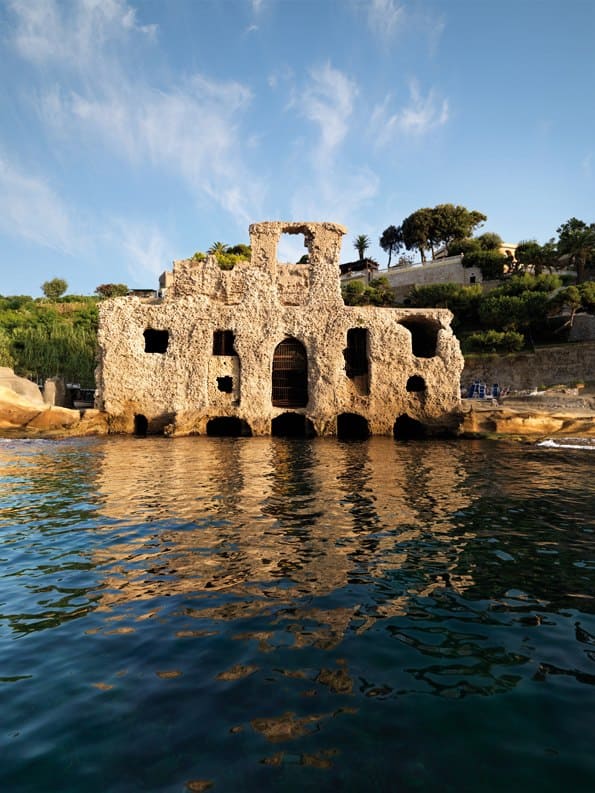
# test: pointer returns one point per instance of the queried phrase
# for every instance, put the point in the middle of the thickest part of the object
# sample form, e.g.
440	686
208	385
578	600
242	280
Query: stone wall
567	363
411	358
441	271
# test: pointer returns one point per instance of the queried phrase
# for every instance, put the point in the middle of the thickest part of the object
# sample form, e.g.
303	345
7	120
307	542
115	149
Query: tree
416	230
577	241
54	289
112	290
391	241
241	250
217	248
361	243
530	255
427	228
489	241
491	263
450	222
6	358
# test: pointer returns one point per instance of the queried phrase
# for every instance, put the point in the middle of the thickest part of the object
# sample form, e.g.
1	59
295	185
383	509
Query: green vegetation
54	289
227	257
428	228
376	293
112	290
41	338
391	241
524	310
361	243
495	341
450	227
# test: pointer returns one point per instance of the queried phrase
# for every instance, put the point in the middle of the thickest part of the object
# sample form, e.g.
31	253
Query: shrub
530	283
491	263
493	341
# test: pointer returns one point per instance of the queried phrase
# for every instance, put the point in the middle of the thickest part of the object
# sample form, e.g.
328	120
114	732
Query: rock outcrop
23	412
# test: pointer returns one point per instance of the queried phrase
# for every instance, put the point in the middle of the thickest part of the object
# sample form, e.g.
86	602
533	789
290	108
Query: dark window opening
223	342
141	425
471	279
351	426
356	358
292	425
424	336
228	427
416	383
408	429
290	375
225	384
156	340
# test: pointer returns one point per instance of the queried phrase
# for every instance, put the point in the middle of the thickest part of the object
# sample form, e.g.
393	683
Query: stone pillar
54	391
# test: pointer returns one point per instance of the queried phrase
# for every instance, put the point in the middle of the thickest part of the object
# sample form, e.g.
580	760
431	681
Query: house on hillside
440	270
270	348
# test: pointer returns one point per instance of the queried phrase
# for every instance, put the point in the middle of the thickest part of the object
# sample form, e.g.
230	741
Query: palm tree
217	248
361	243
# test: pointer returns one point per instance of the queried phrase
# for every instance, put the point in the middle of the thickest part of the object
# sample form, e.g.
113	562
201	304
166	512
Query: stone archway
290	374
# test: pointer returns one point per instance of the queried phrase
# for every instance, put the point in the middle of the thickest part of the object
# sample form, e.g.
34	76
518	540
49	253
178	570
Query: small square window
225	384
156	340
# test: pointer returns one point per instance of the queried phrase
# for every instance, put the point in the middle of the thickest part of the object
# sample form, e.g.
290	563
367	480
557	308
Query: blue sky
135	132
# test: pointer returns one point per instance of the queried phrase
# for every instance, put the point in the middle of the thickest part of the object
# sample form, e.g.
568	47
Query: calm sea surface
275	615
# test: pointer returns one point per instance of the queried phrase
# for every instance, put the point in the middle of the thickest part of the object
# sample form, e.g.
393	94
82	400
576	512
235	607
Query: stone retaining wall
567	363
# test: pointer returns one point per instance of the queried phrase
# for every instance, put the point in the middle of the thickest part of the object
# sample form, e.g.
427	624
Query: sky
136	132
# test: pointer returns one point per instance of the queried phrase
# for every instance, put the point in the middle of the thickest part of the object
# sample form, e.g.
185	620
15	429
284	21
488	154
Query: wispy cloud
190	128
32	210
328	101
336	188
418	117
72	31
386	18
147	251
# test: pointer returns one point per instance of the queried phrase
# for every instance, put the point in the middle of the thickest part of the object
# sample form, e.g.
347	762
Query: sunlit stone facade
270	347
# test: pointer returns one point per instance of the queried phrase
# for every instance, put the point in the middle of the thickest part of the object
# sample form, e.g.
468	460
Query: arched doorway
290	375
228	427
292	425
351	426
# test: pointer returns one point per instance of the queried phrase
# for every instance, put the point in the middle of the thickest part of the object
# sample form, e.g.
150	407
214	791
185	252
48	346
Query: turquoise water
274	615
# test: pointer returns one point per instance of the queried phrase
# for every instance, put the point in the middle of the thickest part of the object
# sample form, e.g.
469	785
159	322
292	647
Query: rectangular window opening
223	341
356	358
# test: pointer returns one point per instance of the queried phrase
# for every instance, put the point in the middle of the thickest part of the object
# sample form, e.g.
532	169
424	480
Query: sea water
287	615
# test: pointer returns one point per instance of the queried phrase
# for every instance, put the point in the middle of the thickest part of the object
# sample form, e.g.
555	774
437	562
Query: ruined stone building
270	348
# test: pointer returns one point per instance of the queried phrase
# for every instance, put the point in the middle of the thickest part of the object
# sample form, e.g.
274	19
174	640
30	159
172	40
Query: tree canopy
531	255
576	240
428	228
391	241
55	288
112	290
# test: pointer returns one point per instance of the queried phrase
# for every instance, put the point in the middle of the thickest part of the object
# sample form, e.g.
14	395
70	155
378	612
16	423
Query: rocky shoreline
531	418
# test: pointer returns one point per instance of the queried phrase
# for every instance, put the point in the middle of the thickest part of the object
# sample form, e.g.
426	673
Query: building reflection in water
271	523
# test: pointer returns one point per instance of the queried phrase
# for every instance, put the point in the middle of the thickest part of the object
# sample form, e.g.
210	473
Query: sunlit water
271	615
